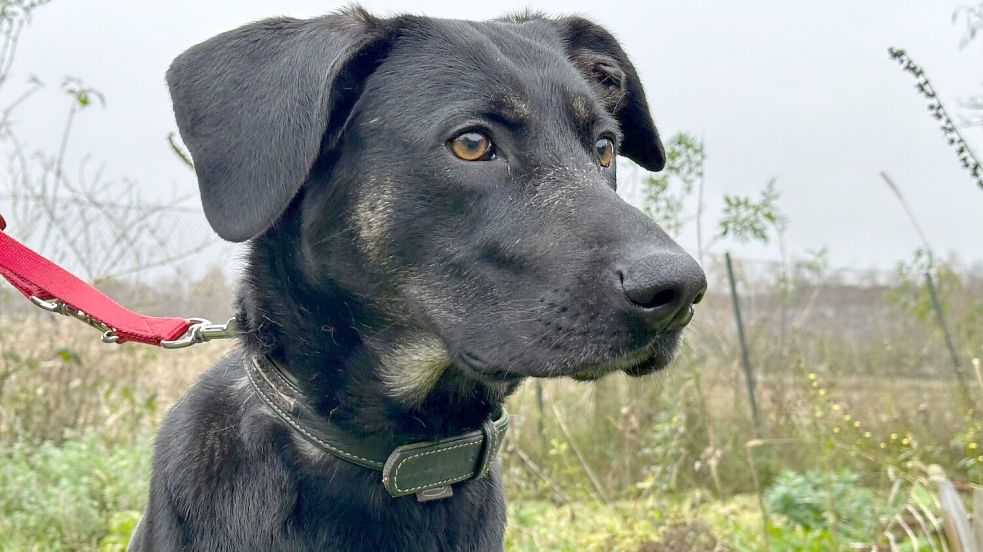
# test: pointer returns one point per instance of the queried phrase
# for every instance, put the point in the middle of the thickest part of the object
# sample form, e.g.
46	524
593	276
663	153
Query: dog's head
458	177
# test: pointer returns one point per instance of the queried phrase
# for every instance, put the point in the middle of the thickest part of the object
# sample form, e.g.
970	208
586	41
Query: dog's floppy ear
601	60
256	104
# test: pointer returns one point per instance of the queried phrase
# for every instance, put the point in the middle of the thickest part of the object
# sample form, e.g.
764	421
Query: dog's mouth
648	359
653	357
479	369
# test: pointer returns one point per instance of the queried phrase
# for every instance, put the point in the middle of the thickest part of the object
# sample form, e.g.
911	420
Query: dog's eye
473	146
604	149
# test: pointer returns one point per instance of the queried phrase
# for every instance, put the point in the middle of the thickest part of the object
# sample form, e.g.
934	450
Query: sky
801	92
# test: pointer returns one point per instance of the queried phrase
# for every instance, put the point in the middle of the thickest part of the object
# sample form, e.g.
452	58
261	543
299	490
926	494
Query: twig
539	473
583	461
949	129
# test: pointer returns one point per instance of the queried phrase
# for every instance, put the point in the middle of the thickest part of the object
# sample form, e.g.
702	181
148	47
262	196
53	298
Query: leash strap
427	469
53	289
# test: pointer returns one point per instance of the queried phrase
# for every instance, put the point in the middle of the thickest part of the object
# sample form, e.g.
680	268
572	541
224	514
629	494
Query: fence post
958	531
745	360
540	427
978	516
953	355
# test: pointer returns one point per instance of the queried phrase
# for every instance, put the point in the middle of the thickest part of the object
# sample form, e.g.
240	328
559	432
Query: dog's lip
625	362
478	368
482	370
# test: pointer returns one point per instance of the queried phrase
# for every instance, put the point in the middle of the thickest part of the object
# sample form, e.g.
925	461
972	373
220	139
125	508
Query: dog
431	214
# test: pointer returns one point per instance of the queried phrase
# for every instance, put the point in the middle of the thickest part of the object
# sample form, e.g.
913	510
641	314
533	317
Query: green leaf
70	356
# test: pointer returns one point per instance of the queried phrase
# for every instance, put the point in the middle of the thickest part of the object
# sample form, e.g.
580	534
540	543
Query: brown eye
604	149
472	146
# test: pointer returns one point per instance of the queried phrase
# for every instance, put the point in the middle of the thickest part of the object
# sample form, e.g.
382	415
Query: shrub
71	495
823	501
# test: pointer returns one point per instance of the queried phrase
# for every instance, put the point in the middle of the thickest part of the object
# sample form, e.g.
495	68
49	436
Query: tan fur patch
372	219
518	109
412	368
581	108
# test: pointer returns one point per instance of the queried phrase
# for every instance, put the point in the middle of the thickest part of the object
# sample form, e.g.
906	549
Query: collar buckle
424	468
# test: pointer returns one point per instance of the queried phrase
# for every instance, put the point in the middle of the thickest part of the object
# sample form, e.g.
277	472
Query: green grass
84	494
81	494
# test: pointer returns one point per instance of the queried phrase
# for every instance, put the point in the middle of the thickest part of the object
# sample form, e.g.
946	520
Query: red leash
52	288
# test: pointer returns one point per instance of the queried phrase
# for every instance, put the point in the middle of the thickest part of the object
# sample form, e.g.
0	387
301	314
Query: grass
81	494
854	414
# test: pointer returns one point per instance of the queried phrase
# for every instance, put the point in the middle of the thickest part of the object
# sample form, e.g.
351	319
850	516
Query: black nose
663	286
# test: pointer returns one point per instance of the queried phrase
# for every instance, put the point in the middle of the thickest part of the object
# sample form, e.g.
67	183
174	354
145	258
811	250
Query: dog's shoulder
218	427
215	457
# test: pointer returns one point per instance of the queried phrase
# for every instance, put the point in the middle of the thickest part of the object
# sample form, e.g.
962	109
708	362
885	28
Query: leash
52	288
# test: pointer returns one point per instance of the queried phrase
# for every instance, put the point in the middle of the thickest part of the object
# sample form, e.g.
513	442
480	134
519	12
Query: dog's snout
663	286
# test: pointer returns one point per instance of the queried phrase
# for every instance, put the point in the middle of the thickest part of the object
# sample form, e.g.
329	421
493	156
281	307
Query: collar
427	468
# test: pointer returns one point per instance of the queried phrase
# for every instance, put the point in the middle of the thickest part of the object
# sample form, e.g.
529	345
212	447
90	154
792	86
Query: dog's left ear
599	57
257	105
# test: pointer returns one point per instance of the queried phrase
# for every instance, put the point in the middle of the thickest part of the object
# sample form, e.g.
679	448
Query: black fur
323	142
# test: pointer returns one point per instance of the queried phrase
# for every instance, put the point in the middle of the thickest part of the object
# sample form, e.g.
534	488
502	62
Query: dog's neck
320	333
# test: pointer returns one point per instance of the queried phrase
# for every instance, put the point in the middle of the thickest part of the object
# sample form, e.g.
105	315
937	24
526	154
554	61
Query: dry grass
874	398
57	379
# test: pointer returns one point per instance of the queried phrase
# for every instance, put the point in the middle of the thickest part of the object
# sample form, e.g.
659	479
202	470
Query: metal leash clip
60	307
200	331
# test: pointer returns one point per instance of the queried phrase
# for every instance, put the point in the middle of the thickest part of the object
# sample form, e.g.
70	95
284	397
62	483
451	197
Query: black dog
432	218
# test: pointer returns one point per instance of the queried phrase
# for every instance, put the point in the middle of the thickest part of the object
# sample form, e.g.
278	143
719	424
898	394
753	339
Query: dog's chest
350	511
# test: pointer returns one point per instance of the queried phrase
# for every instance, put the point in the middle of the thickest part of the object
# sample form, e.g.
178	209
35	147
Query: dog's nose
663	286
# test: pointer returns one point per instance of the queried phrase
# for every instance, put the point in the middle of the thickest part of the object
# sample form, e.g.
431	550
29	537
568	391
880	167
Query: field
857	395
855	422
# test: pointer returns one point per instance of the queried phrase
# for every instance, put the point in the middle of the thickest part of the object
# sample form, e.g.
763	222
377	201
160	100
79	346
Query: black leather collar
427	468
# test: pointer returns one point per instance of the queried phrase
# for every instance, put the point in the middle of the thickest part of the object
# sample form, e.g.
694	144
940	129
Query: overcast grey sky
803	92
